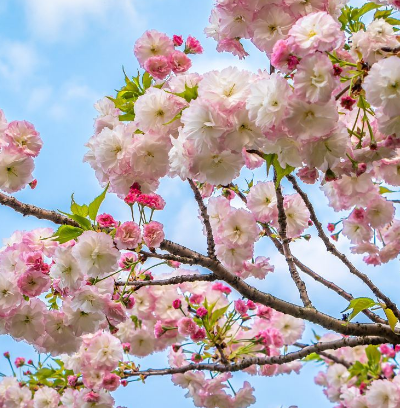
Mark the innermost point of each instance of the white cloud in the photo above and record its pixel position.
(18, 62)
(53, 20)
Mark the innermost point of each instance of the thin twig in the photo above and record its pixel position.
(334, 251)
(331, 357)
(301, 286)
(342, 92)
(206, 219)
(330, 285)
(175, 280)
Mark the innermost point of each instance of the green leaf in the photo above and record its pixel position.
(269, 158)
(392, 21)
(96, 203)
(146, 80)
(384, 190)
(66, 233)
(189, 93)
(392, 319)
(82, 221)
(217, 314)
(281, 172)
(44, 373)
(359, 12)
(127, 117)
(312, 357)
(382, 14)
(373, 354)
(358, 305)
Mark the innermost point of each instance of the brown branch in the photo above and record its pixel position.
(206, 219)
(334, 251)
(28, 209)
(257, 296)
(169, 257)
(342, 92)
(388, 49)
(301, 286)
(327, 355)
(175, 280)
(247, 362)
(330, 285)
(242, 287)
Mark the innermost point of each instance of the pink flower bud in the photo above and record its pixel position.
(6, 354)
(177, 304)
(337, 70)
(201, 312)
(126, 347)
(19, 362)
(178, 40)
(193, 46)
(331, 227)
(130, 302)
(33, 184)
(347, 102)
(174, 264)
(72, 380)
(106, 221)
(196, 358)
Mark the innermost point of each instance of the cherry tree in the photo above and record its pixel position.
(325, 113)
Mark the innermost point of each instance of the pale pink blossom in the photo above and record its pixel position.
(153, 234)
(152, 43)
(158, 66)
(128, 235)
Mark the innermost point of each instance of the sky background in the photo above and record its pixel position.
(57, 58)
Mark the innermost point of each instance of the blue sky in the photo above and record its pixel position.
(57, 58)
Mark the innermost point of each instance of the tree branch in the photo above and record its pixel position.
(175, 280)
(247, 362)
(334, 251)
(327, 355)
(206, 219)
(301, 286)
(28, 209)
(310, 314)
(318, 278)
(242, 287)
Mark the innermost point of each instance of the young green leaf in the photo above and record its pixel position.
(77, 209)
(96, 203)
(392, 319)
(358, 305)
(82, 221)
(281, 172)
(66, 233)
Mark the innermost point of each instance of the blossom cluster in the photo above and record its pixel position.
(156, 53)
(329, 111)
(65, 299)
(20, 143)
(370, 379)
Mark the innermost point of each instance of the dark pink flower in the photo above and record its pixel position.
(193, 46)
